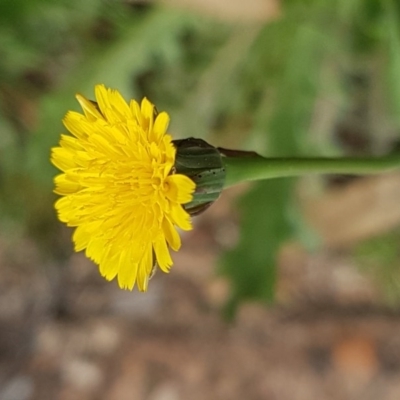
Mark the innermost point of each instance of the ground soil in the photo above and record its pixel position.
(66, 334)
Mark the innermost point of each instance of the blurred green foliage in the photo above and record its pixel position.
(380, 257)
(304, 83)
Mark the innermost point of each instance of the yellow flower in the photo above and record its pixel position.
(119, 188)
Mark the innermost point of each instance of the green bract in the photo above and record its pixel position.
(202, 163)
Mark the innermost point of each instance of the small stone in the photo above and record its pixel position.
(18, 388)
(82, 375)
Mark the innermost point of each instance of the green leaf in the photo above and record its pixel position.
(393, 66)
(251, 266)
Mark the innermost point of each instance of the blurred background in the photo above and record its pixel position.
(287, 289)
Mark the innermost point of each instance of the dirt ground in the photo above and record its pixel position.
(65, 334)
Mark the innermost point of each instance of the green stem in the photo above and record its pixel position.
(240, 169)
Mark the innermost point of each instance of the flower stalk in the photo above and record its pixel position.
(243, 166)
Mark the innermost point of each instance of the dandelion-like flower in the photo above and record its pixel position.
(119, 187)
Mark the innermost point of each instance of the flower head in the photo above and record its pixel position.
(118, 186)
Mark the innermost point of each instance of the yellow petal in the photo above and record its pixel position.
(89, 108)
(162, 254)
(144, 270)
(147, 110)
(109, 265)
(179, 188)
(180, 217)
(171, 235)
(160, 127)
(81, 238)
(127, 270)
(62, 158)
(65, 186)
